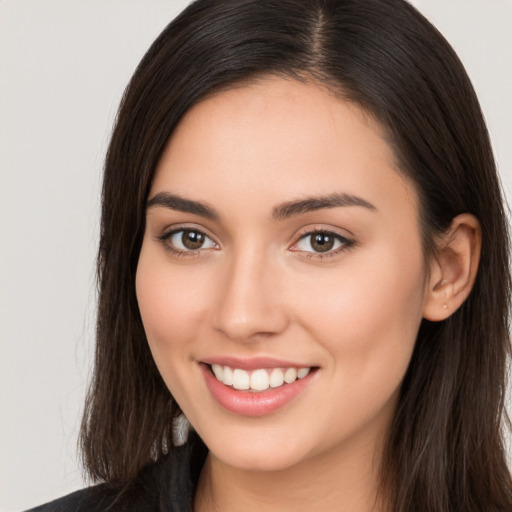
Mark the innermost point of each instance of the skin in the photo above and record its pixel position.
(258, 288)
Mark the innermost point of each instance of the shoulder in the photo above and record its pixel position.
(141, 495)
(91, 499)
(103, 498)
(164, 485)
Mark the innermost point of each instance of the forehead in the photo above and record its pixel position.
(278, 139)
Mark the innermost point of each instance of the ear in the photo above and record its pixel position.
(453, 269)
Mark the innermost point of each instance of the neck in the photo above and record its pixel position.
(344, 479)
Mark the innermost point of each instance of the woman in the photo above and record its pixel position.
(304, 253)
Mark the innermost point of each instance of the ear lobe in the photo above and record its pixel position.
(454, 268)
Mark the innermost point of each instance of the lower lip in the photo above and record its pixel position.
(253, 403)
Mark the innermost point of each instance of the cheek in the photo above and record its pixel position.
(171, 303)
(363, 296)
(366, 316)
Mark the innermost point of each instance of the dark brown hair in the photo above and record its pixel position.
(445, 450)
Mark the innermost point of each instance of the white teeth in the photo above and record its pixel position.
(218, 370)
(302, 372)
(228, 376)
(260, 380)
(276, 378)
(290, 375)
(240, 379)
(257, 380)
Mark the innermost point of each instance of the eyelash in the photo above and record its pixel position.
(345, 242)
(165, 239)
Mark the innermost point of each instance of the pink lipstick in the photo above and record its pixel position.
(255, 387)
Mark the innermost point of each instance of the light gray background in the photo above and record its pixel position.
(63, 67)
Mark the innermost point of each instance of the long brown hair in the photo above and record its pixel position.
(445, 450)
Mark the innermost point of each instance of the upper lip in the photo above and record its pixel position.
(253, 363)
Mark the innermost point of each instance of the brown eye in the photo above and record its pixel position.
(187, 240)
(192, 240)
(322, 242)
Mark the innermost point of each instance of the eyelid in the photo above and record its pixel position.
(317, 228)
(169, 231)
(347, 242)
(173, 228)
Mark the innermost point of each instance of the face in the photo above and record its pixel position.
(282, 252)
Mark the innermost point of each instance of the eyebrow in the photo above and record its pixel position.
(310, 204)
(281, 212)
(175, 202)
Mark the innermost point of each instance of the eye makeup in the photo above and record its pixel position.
(317, 243)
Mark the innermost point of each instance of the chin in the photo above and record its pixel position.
(259, 462)
(260, 454)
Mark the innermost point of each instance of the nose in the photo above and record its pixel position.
(249, 304)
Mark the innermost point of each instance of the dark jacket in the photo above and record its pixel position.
(164, 486)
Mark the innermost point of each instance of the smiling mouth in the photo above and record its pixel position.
(258, 380)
